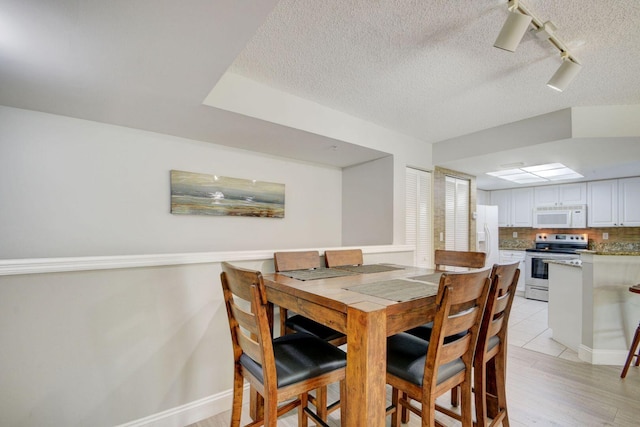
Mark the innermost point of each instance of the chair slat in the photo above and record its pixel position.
(338, 258)
(466, 259)
(303, 260)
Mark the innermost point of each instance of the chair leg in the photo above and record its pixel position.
(343, 400)
(236, 407)
(501, 386)
(270, 412)
(405, 413)
(429, 412)
(480, 393)
(321, 403)
(302, 416)
(632, 353)
(465, 405)
(395, 401)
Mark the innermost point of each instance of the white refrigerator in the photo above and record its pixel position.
(487, 233)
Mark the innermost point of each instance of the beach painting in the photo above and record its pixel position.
(202, 194)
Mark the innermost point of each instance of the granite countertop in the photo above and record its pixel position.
(626, 253)
(619, 253)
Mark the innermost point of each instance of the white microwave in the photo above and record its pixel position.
(560, 217)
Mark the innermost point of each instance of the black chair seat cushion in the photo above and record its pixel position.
(424, 332)
(299, 357)
(493, 341)
(303, 324)
(406, 355)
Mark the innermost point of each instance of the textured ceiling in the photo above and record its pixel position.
(423, 68)
(429, 68)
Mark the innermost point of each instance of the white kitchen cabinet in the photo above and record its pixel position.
(602, 200)
(515, 207)
(614, 203)
(511, 256)
(629, 202)
(561, 195)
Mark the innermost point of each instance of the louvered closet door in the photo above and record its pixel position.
(456, 214)
(418, 215)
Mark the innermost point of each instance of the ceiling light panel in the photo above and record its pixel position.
(538, 173)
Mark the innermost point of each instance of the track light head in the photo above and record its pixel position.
(565, 74)
(512, 31)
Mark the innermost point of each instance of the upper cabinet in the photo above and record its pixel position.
(629, 202)
(614, 203)
(560, 195)
(515, 207)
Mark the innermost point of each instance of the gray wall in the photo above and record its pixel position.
(367, 200)
(72, 187)
(108, 346)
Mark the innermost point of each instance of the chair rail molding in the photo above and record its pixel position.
(11, 267)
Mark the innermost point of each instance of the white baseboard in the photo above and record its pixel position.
(191, 412)
(602, 357)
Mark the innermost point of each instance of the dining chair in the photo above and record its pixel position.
(443, 258)
(342, 257)
(466, 259)
(304, 260)
(279, 369)
(635, 343)
(420, 370)
(490, 359)
(296, 323)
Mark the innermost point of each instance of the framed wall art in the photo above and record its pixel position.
(202, 194)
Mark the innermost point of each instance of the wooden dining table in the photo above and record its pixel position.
(352, 304)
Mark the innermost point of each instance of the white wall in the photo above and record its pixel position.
(483, 197)
(71, 187)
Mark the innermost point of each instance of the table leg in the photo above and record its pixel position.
(366, 365)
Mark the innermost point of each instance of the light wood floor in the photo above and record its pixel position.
(552, 389)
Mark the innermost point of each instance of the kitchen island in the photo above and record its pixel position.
(565, 302)
(590, 307)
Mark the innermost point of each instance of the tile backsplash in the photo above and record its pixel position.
(620, 238)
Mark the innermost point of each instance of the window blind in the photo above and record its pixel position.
(456, 214)
(418, 213)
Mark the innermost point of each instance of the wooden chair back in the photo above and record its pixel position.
(250, 323)
(459, 259)
(491, 350)
(461, 302)
(245, 298)
(492, 344)
(499, 302)
(289, 261)
(338, 258)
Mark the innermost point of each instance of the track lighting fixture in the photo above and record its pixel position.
(514, 28)
(565, 74)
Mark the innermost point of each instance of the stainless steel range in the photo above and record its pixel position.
(549, 247)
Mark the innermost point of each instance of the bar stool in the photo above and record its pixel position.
(634, 343)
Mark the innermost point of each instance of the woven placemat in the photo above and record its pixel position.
(396, 290)
(318, 273)
(431, 278)
(371, 268)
